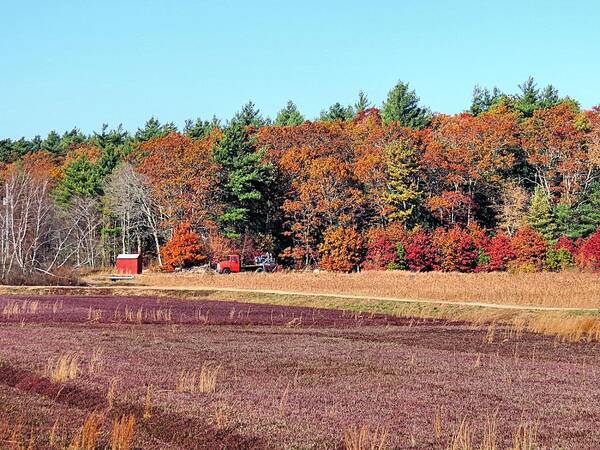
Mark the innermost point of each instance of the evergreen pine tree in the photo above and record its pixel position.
(540, 215)
(52, 143)
(362, 102)
(587, 213)
(245, 180)
(483, 99)
(199, 128)
(249, 115)
(337, 112)
(153, 128)
(527, 101)
(290, 115)
(402, 105)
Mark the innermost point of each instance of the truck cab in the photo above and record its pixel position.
(229, 265)
(234, 264)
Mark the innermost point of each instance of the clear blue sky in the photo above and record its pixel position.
(82, 63)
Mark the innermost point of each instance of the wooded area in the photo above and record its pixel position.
(510, 184)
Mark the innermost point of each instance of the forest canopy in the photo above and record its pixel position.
(511, 183)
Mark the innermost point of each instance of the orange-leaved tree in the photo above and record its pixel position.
(184, 249)
(341, 250)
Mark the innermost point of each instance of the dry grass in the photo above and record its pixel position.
(464, 437)
(568, 289)
(203, 380)
(123, 432)
(96, 361)
(86, 438)
(148, 402)
(362, 438)
(62, 368)
(17, 309)
(222, 419)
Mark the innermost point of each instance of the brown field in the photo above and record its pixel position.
(110, 372)
(568, 289)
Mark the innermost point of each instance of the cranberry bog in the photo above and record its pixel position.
(87, 372)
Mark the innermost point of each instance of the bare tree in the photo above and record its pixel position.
(25, 217)
(130, 198)
(82, 220)
(512, 207)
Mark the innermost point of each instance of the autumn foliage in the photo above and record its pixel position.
(589, 256)
(382, 252)
(500, 252)
(183, 249)
(421, 254)
(456, 249)
(514, 184)
(341, 249)
(530, 249)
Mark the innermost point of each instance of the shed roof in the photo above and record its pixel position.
(128, 256)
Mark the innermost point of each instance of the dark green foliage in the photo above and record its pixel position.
(83, 177)
(110, 138)
(5, 150)
(337, 112)
(563, 216)
(52, 143)
(290, 115)
(245, 179)
(586, 215)
(527, 101)
(483, 99)
(71, 139)
(199, 128)
(249, 115)
(401, 256)
(153, 128)
(402, 105)
(362, 103)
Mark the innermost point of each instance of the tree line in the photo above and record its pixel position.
(512, 183)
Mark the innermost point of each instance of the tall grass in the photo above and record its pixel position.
(62, 368)
(86, 437)
(363, 438)
(465, 438)
(123, 432)
(568, 289)
(203, 380)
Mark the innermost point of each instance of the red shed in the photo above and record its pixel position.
(130, 263)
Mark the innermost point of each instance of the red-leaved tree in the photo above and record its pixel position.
(421, 254)
(530, 248)
(589, 253)
(500, 252)
(457, 249)
(184, 249)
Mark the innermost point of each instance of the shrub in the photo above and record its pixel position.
(589, 253)
(184, 249)
(381, 251)
(566, 243)
(529, 247)
(500, 252)
(457, 249)
(421, 254)
(341, 250)
(400, 256)
(558, 259)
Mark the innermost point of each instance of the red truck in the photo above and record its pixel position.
(262, 263)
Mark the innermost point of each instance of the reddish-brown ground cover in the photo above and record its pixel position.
(289, 377)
